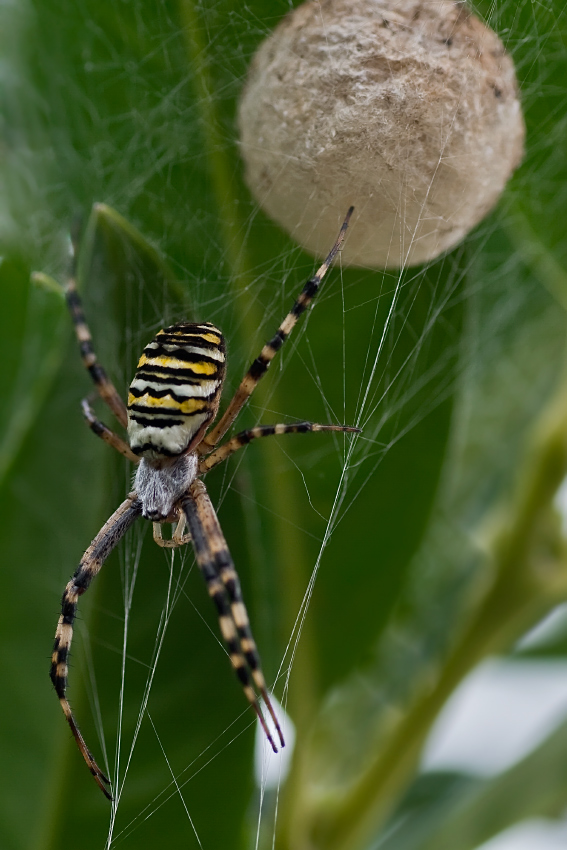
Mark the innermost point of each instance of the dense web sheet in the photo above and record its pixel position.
(383, 392)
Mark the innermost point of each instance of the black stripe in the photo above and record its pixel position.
(278, 340)
(244, 631)
(195, 340)
(157, 423)
(253, 659)
(82, 579)
(59, 682)
(308, 293)
(163, 411)
(62, 654)
(150, 447)
(233, 588)
(266, 430)
(170, 374)
(258, 367)
(155, 393)
(68, 610)
(299, 308)
(73, 299)
(197, 536)
(75, 305)
(86, 347)
(242, 673)
(223, 559)
(233, 645)
(219, 598)
(310, 288)
(205, 327)
(97, 373)
(182, 354)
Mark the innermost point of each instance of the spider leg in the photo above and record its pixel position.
(91, 562)
(215, 562)
(244, 437)
(177, 539)
(260, 366)
(106, 389)
(102, 431)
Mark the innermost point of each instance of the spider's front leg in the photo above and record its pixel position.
(262, 363)
(109, 437)
(99, 550)
(103, 384)
(245, 437)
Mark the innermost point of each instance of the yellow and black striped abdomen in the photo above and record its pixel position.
(176, 390)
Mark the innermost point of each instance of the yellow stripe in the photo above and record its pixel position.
(190, 405)
(208, 337)
(201, 368)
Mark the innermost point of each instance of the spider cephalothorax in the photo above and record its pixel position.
(172, 401)
(161, 484)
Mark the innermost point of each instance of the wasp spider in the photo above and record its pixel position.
(172, 400)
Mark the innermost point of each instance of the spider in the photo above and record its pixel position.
(172, 401)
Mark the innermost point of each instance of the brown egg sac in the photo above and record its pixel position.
(407, 109)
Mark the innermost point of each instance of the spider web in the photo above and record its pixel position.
(388, 390)
(345, 619)
(385, 388)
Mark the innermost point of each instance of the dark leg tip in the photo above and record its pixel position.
(102, 782)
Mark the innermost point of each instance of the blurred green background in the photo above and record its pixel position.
(133, 105)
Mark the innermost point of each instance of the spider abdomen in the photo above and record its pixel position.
(176, 389)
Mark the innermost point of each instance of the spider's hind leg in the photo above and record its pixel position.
(215, 563)
(91, 562)
(248, 647)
